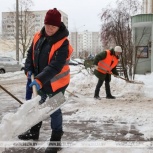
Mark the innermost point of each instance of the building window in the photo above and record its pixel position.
(142, 51)
(8, 26)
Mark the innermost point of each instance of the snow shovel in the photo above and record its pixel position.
(44, 110)
(29, 114)
(129, 81)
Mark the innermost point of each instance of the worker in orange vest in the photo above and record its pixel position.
(48, 59)
(106, 63)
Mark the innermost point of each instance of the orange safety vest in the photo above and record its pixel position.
(107, 64)
(63, 78)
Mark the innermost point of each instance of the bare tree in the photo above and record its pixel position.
(116, 30)
(26, 25)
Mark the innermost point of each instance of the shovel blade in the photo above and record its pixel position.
(36, 114)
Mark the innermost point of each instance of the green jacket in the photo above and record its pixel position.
(99, 57)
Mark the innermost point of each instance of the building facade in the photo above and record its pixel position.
(142, 27)
(147, 6)
(85, 43)
(35, 21)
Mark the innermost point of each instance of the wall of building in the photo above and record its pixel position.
(36, 22)
(147, 6)
(143, 39)
(7, 45)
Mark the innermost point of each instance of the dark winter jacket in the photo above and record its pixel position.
(42, 70)
(99, 57)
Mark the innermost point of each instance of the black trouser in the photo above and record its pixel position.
(107, 86)
(56, 118)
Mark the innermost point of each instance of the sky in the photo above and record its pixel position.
(82, 14)
(86, 121)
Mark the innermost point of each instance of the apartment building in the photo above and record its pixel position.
(85, 43)
(147, 6)
(35, 22)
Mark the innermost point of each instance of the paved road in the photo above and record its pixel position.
(109, 130)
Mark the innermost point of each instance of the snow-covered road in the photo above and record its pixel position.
(128, 118)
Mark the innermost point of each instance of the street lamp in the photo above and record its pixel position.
(77, 39)
(17, 30)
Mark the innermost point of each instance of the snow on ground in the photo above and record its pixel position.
(128, 118)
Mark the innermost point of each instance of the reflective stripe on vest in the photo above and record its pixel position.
(57, 77)
(63, 78)
(106, 65)
(55, 47)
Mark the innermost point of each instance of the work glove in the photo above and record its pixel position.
(29, 73)
(109, 72)
(117, 76)
(38, 86)
(95, 66)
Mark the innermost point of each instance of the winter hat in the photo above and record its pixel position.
(53, 17)
(118, 49)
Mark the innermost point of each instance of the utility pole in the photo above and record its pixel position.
(17, 30)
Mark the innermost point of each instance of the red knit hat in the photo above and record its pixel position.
(53, 17)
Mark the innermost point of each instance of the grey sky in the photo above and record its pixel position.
(80, 12)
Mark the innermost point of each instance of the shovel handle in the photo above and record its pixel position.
(11, 94)
(72, 94)
(34, 87)
(129, 81)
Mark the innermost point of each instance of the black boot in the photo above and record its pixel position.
(32, 133)
(97, 97)
(110, 97)
(108, 92)
(97, 90)
(96, 93)
(55, 142)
